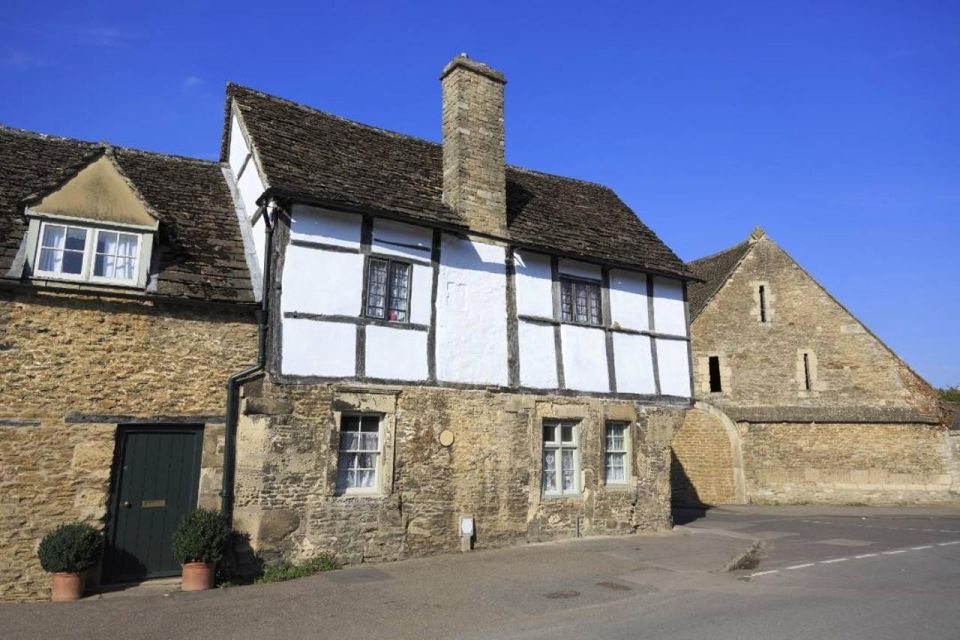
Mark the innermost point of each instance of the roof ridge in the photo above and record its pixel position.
(721, 252)
(105, 145)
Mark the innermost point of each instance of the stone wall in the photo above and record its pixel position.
(703, 462)
(288, 438)
(846, 463)
(72, 362)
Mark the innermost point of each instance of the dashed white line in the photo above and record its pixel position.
(926, 546)
(799, 566)
(764, 573)
(947, 544)
(833, 561)
(866, 555)
(894, 552)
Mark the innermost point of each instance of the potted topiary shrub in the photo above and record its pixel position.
(67, 552)
(198, 545)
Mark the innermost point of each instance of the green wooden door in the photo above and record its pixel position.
(156, 479)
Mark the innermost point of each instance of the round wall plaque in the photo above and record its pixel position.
(446, 437)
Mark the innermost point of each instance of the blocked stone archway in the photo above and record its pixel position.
(707, 460)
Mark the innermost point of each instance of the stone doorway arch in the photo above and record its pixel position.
(707, 459)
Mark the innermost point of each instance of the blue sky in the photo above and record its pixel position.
(834, 125)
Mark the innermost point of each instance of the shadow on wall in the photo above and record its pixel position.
(686, 505)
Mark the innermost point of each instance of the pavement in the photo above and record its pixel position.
(796, 573)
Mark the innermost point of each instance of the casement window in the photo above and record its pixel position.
(66, 251)
(561, 458)
(388, 290)
(616, 448)
(580, 302)
(358, 463)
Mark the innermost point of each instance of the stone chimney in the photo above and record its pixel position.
(474, 173)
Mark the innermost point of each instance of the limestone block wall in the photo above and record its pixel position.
(287, 443)
(74, 367)
(846, 463)
(703, 462)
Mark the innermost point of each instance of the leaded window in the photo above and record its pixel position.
(561, 458)
(616, 436)
(388, 290)
(358, 464)
(580, 302)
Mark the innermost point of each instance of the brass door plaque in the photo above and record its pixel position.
(153, 504)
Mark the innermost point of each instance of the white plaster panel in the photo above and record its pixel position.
(324, 282)
(399, 239)
(260, 240)
(471, 331)
(238, 147)
(628, 299)
(251, 188)
(584, 358)
(329, 227)
(422, 284)
(674, 367)
(534, 284)
(634, 364)
(396, 354)
(312, 348)
(579, 269)
(668, 314)
(538, 360)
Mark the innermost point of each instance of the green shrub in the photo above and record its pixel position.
(70, 548)
(201, 537)
(285, 570)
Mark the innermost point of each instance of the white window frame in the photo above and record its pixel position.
(92, 235)
(625, 452)
(559, 445)
(377, 488)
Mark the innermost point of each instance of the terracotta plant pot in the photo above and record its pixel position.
(67, 587)
(197, 576)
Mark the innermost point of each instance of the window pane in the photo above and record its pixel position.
(377, 289)
(76, 239)
(53, 235)
(107, 242)
(127, 245)
(581, 302)
(367, 442)
(568, 470)
(123, 268)
(566, 301)
(566, 433)
(549, 470)
(615, 437)
(50, 260)
(549, 433)
(72, 261)
(399, 287)
(615, 470)
(594, 293)
(366, 479)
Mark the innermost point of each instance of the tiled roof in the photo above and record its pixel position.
(311, 154)
(200, 250)
(713, 272)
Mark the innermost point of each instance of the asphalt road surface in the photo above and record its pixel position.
(824, 574)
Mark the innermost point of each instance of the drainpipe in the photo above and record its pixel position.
(234, 381)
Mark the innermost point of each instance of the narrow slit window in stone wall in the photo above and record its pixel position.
(716, 386)
(807, 381)
(561, 459)
(763, 304)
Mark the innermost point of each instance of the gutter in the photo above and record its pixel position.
(240, 377)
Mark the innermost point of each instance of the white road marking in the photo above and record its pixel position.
(926, 546)
(947, 544)
(799, 566)
(764, 573)
(866, 555)
(894, 552)
(835, 560)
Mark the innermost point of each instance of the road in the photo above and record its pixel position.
(825, 573)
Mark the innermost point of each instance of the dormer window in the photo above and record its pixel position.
(88, 254)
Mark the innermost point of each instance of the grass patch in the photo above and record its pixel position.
(283, 571)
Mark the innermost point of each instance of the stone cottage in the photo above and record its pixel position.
(459, 351)
(125, 302)
(797, 401)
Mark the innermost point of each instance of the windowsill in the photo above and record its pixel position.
(72, 284)
(349, 494)
(619, 487)
(562, 496)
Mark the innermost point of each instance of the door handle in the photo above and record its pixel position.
(127, 504)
